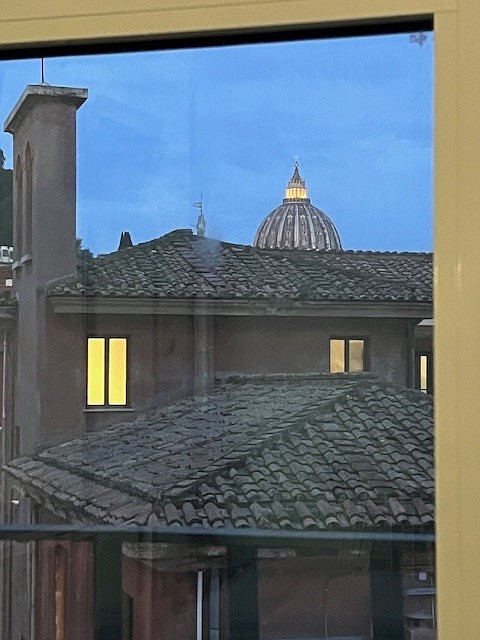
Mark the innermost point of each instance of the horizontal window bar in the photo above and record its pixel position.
(198, 537)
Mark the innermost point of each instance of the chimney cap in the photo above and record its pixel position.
(39, 92)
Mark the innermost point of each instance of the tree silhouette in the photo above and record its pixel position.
(6, 203)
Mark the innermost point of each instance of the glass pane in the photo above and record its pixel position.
(230, 263)
(356, 355)
(117, 371)
(96, 371)
(337, 356)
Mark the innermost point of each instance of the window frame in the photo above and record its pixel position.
(27, 27)
(106, 406)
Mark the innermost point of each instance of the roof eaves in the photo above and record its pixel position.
(68, 303)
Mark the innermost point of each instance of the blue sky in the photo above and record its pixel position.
(160, 128)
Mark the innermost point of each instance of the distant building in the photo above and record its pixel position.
(296, 223)
(268, 387)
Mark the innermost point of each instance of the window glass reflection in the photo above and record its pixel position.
(337, 356)
(356, 355)
(224, 334)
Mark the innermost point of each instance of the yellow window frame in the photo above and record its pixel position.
(457, 195)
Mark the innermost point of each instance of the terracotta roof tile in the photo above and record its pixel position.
(173, 462)
(182, 265)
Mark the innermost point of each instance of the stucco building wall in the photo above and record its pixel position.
(296, 344)
(162, 358)
(160, 367)
(298, 597)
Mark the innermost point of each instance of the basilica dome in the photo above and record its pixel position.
(296, 223)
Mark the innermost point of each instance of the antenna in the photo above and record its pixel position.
(199, 204)
(43, 70)
(201, 222)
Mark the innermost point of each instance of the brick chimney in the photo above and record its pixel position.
(43, 124)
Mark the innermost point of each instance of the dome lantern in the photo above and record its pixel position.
(296, 223)
(296, 189)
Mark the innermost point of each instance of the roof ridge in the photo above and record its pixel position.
(103, 487)
(269, 436)
(244, 378)
(80, 472)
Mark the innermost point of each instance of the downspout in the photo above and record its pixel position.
(199, 605)
(32, 570)
(203, 354)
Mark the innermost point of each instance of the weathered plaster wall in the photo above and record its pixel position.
(294, 595)
(160, 367)
(295, 345)
(310, 597)
(161, 358)
(47, 131)
(164, 603)
(78, 593)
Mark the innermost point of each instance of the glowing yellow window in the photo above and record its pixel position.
(347, 355)
(337, 356)
(106, 371)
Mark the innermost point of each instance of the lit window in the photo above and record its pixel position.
(107, 371)
(424, 372)
(347, 355)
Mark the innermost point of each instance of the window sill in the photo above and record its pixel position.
(108, 410)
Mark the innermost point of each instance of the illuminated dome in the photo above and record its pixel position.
(297, 224)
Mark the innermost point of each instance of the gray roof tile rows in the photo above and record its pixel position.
(182, 265)
(287, 452)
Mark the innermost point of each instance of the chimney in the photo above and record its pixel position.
(43, 124)
(125, 241)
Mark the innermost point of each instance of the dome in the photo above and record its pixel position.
(296, 223)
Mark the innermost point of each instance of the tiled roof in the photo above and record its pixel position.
(283, 452)
(182, 265)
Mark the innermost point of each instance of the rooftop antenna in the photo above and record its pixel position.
(201, 222)
(43, 71)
